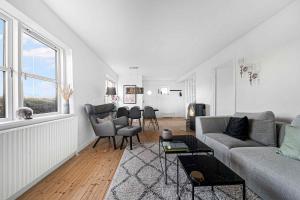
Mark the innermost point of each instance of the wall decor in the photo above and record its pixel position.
(251, 69)
(129, 98)
(135, 90)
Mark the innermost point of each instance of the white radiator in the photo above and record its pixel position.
(29, 153)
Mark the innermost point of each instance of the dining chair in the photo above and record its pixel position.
(122, 111)
(149, 114)
(135, 113)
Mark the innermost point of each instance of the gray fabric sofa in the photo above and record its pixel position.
(267, 173)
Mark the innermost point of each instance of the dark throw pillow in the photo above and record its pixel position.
(237, 128)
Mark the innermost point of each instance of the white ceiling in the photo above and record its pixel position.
(165, 38)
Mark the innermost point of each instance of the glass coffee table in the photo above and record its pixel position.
(194, 146)
(215, 173)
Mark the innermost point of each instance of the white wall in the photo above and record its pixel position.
(133, 78)
(275, 45)
(169, 105)
(88, 70)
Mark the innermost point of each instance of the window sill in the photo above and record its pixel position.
(22, 123)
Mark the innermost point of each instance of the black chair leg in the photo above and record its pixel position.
(122, 142)
(131, 122)
(114, 141)
(130, 139)
(96, 142)
(138, 138)
(140, 122)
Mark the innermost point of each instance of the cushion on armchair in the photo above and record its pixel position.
(101, 120)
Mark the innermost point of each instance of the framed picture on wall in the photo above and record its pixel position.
(128, 98)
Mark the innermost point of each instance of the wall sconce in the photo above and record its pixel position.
(252, 76)
(252, 69)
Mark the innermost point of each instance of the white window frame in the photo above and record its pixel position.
(7, 61)
(34, 34)
(15, 23)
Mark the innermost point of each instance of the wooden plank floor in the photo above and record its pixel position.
(88, 175)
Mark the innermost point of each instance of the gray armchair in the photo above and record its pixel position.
(104, 128)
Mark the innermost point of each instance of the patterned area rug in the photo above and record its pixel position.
(139, 177)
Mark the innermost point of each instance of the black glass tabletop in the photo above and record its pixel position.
(194, 145)
(214, 171)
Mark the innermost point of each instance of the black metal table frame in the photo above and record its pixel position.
(165, 171)
(212, 186)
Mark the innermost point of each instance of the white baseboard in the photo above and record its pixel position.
(84, 145)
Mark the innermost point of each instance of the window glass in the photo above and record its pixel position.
(39, 95)
(39, 62)
(38, 58)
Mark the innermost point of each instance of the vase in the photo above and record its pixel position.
(166, 134)
(66, 107)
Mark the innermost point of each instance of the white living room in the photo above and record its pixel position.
(149, 99)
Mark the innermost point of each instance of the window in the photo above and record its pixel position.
(39, 69)
(109, 83)
(31, 72)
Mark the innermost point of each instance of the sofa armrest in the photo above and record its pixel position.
(106, 128)
(121, 121)
(211, 125)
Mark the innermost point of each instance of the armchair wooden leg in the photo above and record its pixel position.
(96, 142)
(131, 122)
(143, 125)
(140, 122)
(130, 139)
(156, 123)
(123, 138)
(114, 141)
(152, 122)
(138, 138)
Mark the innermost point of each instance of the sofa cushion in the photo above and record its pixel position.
(296, 121)
(280, 131)
(237, 128)
(222, 143)
(262, 127)
(263, 131)
(267, 173)
(291, 143)
(231, 142)
(268, 115)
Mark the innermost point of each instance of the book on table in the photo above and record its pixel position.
(175, 146)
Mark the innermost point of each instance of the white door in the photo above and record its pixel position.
(225, 89)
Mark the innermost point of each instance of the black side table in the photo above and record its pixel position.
(194, 146)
